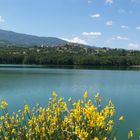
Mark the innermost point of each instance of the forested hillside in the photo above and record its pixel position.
(69, 54)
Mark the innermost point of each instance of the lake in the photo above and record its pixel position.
(32, 85)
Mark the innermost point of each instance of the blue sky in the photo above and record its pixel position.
(103, 23)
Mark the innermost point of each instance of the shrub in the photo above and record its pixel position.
(74, 120)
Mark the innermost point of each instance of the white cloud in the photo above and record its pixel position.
(124, 27)
(109, 1)
(113, 38)
(121, 11)
(92, 34)
(109, 23)
(133, 46)
(76, 40)
(95, 16)
(117, 38)
(135, 1)
(121, 38)
(138, 28)
(89, 1)
(1, 19)
(108, 41)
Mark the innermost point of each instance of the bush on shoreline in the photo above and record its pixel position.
(79, 120)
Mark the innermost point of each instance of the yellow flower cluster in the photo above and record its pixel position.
(3, 104)
(75, 120)
(130, 134)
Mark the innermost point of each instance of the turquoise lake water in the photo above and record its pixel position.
(19, 85)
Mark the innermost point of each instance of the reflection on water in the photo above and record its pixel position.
(72, 67)
(31, 84)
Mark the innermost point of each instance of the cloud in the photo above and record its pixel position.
(109, 1)
(133, 46)
(109, 23)
(95, 16)
(108, 41)
(117, 38)
(135, 1)
(121, 11)
(76, 40)
(113, 38)
(92, 34)
(138, 28)
(1, 19)
(121, 38)
(89, 1)
(124, 27)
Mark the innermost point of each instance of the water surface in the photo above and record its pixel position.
(31, 85)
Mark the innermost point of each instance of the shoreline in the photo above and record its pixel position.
(86, 67)
(135, 66)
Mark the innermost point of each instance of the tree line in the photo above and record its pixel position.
(55, 56)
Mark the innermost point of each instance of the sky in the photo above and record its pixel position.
(102, 23)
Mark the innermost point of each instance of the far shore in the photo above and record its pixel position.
(135, 66)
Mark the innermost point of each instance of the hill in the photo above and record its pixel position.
(13, 38)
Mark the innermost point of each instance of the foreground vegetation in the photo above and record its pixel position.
(68, 54)
(75, 120)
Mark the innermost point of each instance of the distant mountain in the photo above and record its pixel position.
(13, 38)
